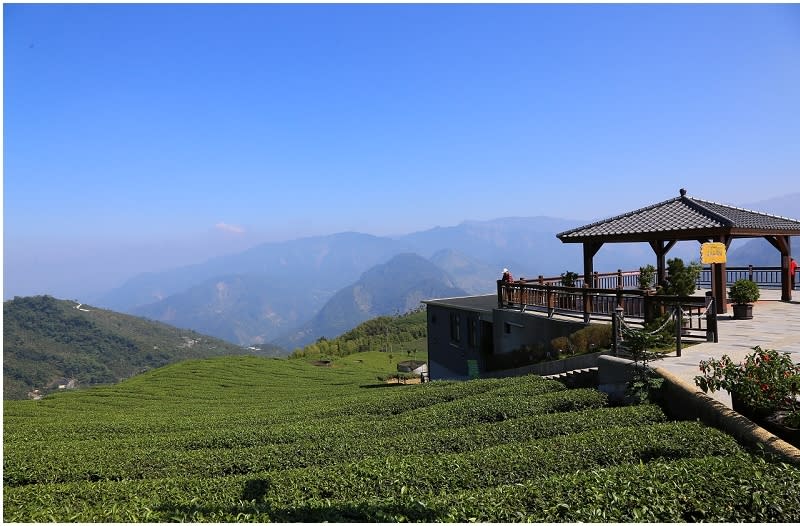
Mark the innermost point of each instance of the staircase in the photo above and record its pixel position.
(576, 378)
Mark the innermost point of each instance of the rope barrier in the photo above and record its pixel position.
(700, 314)
(624, 326)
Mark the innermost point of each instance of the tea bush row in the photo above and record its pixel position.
(55, 462)
(393, 401)
(505, 464)
(251, 427)
(105, 413)
(74, 461)
(732, 489)
(437, 481)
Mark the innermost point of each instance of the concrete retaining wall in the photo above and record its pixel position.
(684, 402)
(613, 376)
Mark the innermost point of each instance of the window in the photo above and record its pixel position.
(455, 327)
(472, 332)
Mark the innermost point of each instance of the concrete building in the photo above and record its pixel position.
(471, 336)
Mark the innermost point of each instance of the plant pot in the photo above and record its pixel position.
(742, 311)
(756, 415)
(774, 423)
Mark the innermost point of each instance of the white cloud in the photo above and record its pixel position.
(229, 228)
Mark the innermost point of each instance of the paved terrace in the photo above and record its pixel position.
(775, 325)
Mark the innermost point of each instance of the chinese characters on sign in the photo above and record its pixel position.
(713, 253)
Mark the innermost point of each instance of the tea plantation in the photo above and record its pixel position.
(256, 439)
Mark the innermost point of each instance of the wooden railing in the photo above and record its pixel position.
(764, 277)
(619, 289)
(637, 306)
(628, 279)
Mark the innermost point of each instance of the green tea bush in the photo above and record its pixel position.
(87, 462)
(245, 439)
(498, 465)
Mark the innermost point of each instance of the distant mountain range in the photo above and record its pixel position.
(321, 264)
(396, 286)
(290, 292)
(49, 342)
(758, 252)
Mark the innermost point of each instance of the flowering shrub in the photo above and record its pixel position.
(765, 382)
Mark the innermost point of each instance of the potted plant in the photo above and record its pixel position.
(764, 387)
(743, 293)
(568, 279)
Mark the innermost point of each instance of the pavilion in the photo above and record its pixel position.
(687, 218)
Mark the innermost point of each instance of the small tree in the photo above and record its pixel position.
(568, 279)
(643, 382)
(647, 277)
(682, 279)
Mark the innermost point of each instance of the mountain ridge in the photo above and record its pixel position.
(395, 287)
(47, 340)
(473, 253)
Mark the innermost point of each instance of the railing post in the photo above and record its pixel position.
(616, 329)
(711, 319)
(678, 323)
(648, 308)
(587, 308)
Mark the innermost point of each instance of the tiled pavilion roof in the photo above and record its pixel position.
(683, 218)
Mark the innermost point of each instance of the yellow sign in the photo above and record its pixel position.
(713, 253)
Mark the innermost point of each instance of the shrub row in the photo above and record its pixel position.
(393, 401)
(564, 478)
(74, 461)
(105, 414)
(712, 489)
(505, 464)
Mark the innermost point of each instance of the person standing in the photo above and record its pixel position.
(507, 279)
(792, 271)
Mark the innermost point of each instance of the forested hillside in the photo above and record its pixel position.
(47, 341)
(400, 335)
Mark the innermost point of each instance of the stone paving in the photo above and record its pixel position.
(775, 325)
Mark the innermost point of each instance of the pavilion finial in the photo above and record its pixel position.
(683, 192)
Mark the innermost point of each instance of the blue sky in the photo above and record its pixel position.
(138, 137)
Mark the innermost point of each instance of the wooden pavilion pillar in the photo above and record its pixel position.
(784, 245)
(589, 251)
(661, 247)
(719, 280)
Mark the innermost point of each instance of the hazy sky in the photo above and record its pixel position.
(138, 137)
